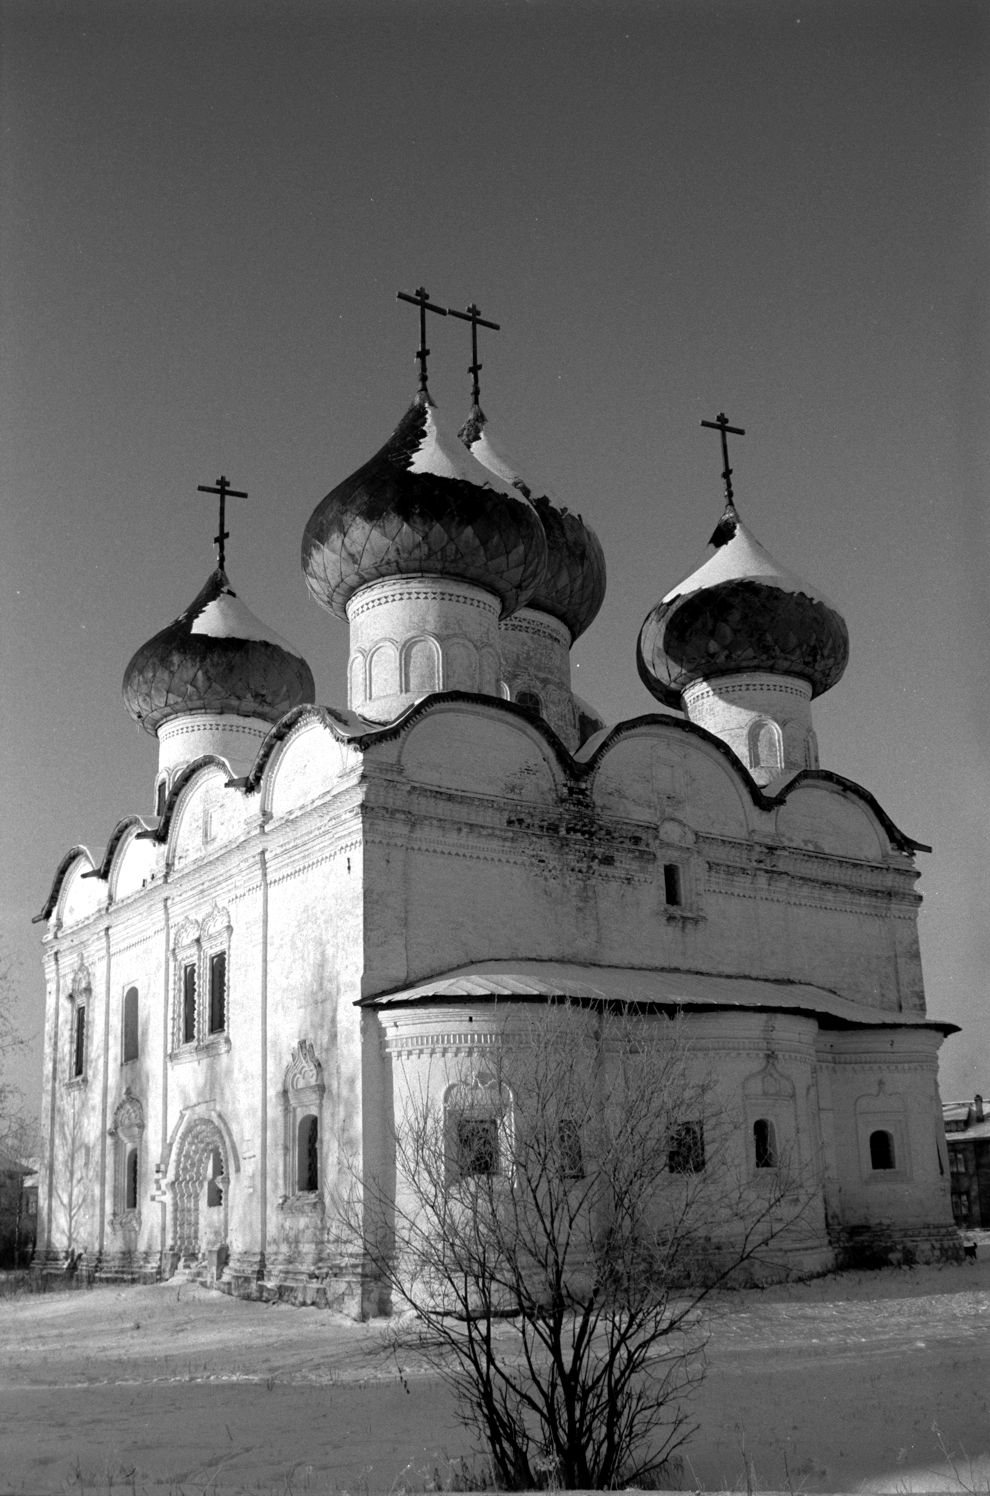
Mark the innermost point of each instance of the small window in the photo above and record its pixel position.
(672, 884)
(79, 1042)
(214, 1189)
(130, 1024)
(881, 1150)
(477, 1146)
(131, 1180)
(569, 1149)
(218, 992)
(189, 1003)
(764, 1144)
(530, 701)
(686, 1149)
(161, 792)
(957, 1163)
(308, 1155)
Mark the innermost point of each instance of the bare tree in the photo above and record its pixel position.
(12, 1045)
(560, 1210)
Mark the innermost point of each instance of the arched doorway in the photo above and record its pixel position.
(200, 1191)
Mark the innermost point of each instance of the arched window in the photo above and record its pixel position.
(530, 701)
(79, 1042)
(126, 1131)
(130, 1046)
(764, 1144)
(308, 1154)
(881, 1150)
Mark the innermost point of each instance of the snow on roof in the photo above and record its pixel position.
(743, 556)
(226, 617)
(527, 979)
(441, 452)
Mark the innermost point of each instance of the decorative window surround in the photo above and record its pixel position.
(126, 1132)
(302, 1101)
(201, 987)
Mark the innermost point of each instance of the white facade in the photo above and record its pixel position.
(240, 990)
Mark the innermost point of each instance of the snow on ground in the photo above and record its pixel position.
(875, 1382)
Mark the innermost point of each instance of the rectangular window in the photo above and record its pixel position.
(79, 1043)
(189, 1003)
(477, 1146)
(218, 992)
(672, 884)
(686, 1148)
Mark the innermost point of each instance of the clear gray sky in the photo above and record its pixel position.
(775, 209)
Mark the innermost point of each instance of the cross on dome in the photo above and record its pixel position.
(721, 423)
(225, 491)
(473, 315)
(421, 298)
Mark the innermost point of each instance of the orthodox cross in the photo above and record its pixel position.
(225, 491)
(473, 315)
(721, 423)
(422, 300)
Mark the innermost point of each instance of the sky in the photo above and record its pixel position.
(777, 210)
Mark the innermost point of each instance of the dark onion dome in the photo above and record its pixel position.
(573, 585)
(740, 612)
(422, 506)
(216, 657)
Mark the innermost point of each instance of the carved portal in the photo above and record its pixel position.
(200, 1192)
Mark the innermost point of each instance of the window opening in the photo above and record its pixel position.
(308, 1154)
(218, 992)
(881, 1150)
(214, 1189)
(189, 1003)
(686, 1148)
(569, 1148)
(672, 884)
(764, 1143)
(477, 1146)
(79, 1044)
(131, 1180)
(160, 793)
(130, 1024)
(530, 701)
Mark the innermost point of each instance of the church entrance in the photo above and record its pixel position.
(200, 1201)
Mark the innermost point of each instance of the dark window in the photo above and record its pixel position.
(131, 1180)
(214, 1189)
(881, 1150)
(530, 701)
(218, 992)
(160, 793)
(308, 1154)
(672, 884)
(686, 1148)
(569, 1146)
(764, 1144)
(189, 1003)
(79, 1043)
(477, 1146)
(131, 1024)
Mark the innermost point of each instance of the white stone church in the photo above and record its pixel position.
(327, 900)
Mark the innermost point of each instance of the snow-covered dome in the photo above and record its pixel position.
(572, 587)
(216, 657)
(740, 612)
(422, 506)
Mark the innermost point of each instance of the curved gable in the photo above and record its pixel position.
(480, 746)
(206, 813)
(83, 892)
(304, 765)
(827, 817)
(134, 863)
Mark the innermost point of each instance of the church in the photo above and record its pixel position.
(330, 904)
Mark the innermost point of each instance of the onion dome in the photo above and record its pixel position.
(422, 506)
(572, 587)
(740, 612)
(216, 657)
